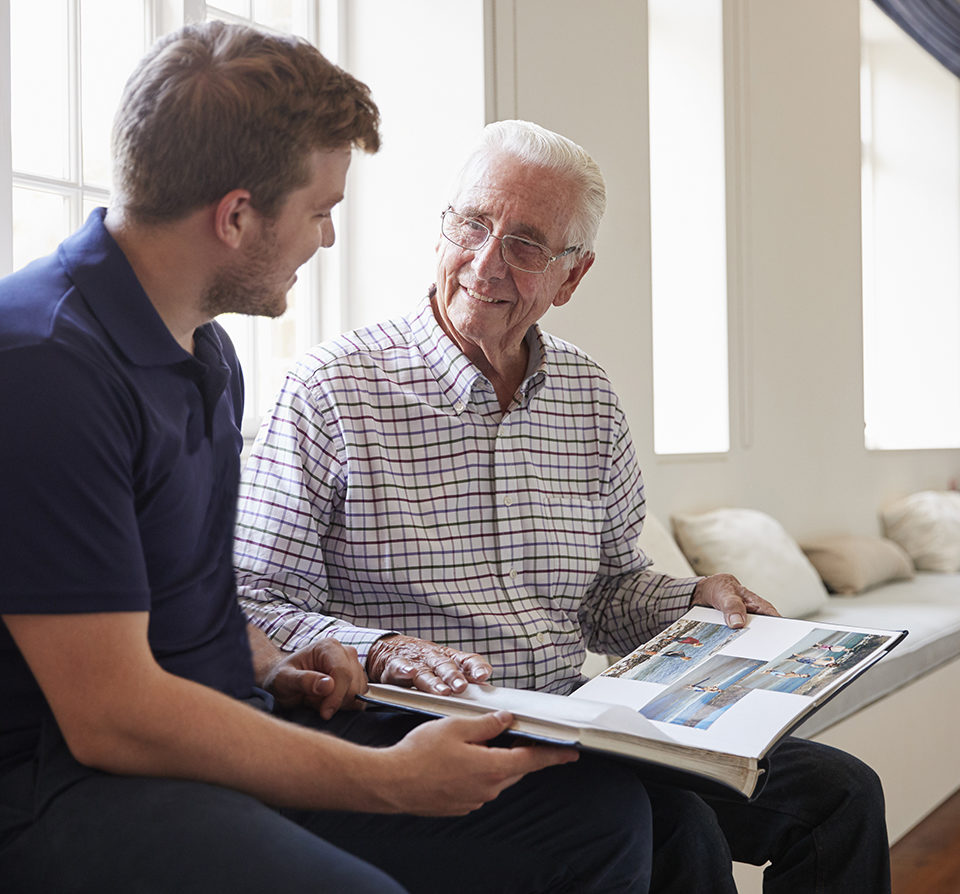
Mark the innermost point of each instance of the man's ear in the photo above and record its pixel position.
(574, 275)
(233, 217)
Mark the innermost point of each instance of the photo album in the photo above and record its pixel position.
(700, 704)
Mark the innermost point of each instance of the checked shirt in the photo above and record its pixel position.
(388, 492)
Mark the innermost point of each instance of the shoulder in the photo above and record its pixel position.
(359, 354)
(31, 302)
(573, 369)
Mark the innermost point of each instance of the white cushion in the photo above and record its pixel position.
(927, 526)
(658, 545)
(758, 551)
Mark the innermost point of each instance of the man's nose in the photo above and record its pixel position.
(328, 234)
(488, 260)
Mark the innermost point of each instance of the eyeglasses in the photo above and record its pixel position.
(519, 253)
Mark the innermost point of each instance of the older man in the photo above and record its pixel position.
(456, 494)
(139, 750)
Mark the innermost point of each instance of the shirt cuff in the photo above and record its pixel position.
(361, 638)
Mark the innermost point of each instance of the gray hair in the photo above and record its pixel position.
(535, 145)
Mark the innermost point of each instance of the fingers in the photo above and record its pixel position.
(757, 605)
(456, 770)
(348, 679)
(326, 675)
(407, 661)
(726, 594)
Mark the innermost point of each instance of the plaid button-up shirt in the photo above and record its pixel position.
(388, 492)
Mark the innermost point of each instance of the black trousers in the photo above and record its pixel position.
(819, 821)
(582, 827)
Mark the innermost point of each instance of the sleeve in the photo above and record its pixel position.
(293, 481)
(630, 601)
(69, 539)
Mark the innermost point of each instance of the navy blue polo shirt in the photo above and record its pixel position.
(119, 464)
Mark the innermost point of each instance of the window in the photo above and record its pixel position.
(71, 58)
(68, 63)
(688, 242)
(910, 117)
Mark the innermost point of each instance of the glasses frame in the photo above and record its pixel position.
(501, 240)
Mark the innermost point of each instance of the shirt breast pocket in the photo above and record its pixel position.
(571, 538)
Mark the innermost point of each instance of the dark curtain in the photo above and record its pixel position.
(934, 24)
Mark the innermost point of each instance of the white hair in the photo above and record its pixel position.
(535, 145)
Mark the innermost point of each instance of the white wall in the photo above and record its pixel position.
(794, 244)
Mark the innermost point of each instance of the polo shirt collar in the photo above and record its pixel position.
(103, 276)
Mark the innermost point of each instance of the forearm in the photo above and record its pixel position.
(225, 742)
(625, 610)
(291, 628)
(119, 711)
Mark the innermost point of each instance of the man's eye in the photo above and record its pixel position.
(525, 249)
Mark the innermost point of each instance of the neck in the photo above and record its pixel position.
(504, 365)
(168, 265)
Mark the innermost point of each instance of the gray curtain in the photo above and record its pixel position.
(934, 24)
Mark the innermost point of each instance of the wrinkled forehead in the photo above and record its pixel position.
(517, 197)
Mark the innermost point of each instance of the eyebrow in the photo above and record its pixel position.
(330, 202)
(523, 230)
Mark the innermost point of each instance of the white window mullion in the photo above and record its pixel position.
(6, 149)
(75, 111)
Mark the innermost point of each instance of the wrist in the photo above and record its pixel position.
(377, 657)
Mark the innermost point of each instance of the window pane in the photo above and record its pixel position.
(291, 16)
(40, 221)
(112, 38)
(230, 7)
(89, 205)
(687, 208)
(40, 87)
(911, 229)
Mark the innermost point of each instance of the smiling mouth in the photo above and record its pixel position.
(484, 298)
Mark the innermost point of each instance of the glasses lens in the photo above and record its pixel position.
(463, 231)
(525, 255)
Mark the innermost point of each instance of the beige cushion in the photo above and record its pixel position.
(850, 563)
(754, 547)
(658, 545)
(927, 526)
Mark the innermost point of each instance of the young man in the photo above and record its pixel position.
(138, 750)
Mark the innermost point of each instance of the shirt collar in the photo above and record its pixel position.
(454, 372)
(452, 369)
(103, 276)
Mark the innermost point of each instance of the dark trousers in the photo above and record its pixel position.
(819, 821)
(583, 827)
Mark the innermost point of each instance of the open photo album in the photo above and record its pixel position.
(701, 704)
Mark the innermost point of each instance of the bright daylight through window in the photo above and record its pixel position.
(688, 242)
(910, 111)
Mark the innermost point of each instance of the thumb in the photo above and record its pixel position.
(308, 682)
(482, 729)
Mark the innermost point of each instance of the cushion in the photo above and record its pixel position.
(927, 526)
(753, 546)
(658, 545)
(850, 563)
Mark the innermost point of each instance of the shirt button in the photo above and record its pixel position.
(459, 406)
(541, 637)
(513, 573)
(508, 500)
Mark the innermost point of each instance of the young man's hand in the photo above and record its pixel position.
(445, 768)
(326, 675)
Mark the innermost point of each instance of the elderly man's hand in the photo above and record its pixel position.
(408, 661)
(326, 675)
(725, 593)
